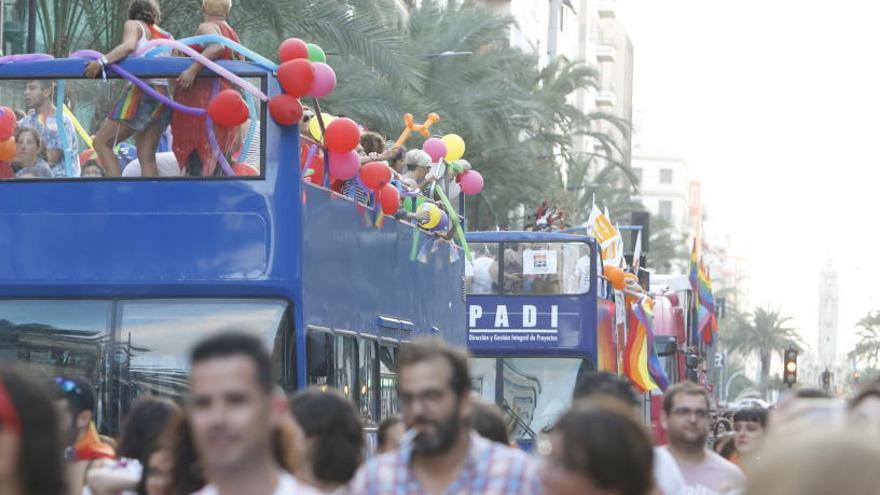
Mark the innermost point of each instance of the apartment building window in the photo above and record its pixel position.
(666, 176)
(637, 172)
(666, 209)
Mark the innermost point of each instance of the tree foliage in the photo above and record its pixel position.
(867, 350)
(762, 333)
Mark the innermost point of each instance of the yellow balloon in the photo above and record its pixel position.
(454, 147)
(434, 215)
(315, 127)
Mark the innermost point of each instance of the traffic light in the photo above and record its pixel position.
(789, 374)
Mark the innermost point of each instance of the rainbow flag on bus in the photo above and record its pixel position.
(641, 363)
(707, 324)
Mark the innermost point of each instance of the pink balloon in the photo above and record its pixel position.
(344, 165)
(471, 182)
(435, 148)
(324, 82)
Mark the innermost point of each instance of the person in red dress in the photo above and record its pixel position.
(191, 146)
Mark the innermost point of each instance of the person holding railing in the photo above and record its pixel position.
(191, 144)
(136, 113)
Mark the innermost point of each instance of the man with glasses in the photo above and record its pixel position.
(686, 420)
(440, 453)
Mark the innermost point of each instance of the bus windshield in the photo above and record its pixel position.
(132, 348)
(535, 390)
(529, 268)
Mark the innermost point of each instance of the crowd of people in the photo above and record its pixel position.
(239, 434)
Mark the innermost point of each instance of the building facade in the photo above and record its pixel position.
(665, 188)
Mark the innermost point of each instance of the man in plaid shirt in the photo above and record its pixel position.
(440, 454)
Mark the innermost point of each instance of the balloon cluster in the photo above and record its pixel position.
(7, 127)
(451, 148)
(303, 72)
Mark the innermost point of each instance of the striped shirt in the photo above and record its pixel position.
(490, 469)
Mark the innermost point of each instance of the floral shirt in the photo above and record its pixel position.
(47, 127)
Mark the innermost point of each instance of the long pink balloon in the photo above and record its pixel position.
(142, 85)
(25, 57)
(250, 88)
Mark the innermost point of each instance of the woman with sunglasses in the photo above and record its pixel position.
(31, 454)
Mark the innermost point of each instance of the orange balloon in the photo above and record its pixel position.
(8, 149)
(616, 276)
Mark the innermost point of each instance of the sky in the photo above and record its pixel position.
(775, 106)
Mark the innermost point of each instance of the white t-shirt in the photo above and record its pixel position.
(287, 485)
(482, 275)
(666, 473)
(166, 162)
(713, 476)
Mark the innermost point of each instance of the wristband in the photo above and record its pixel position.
(103, 61)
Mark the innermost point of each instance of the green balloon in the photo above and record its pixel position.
(316, 54)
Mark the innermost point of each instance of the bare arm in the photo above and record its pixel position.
(210, 52)
(130, 36)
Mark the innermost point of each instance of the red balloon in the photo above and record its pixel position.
(228, 109)
(389, 198)
(342, 135)
(7, 123)
(292, 49)
(8, 150)
(296, 77)
(243, 169)
(285, 109)
(375, 175)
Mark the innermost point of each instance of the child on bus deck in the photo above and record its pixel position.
(136, 113)
(190, 144)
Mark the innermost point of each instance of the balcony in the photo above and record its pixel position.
(608, 9)
(605, 53)
(606, 98)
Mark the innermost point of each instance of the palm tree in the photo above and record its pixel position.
(764, 332)
(868, 347)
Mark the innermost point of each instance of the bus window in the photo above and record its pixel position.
(66, 155)
(60, 338)
(367, 369)
(156, 336)
(553, 268)
(481, 276)
(346, 366)
(319, 357)
(387, 381)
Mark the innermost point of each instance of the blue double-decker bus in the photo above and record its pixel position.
(114, 279)
(536, 319)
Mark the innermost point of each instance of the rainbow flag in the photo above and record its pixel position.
(694, 278)
(645, 314)
(606, 347)
(641, 364)
(706, 321)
